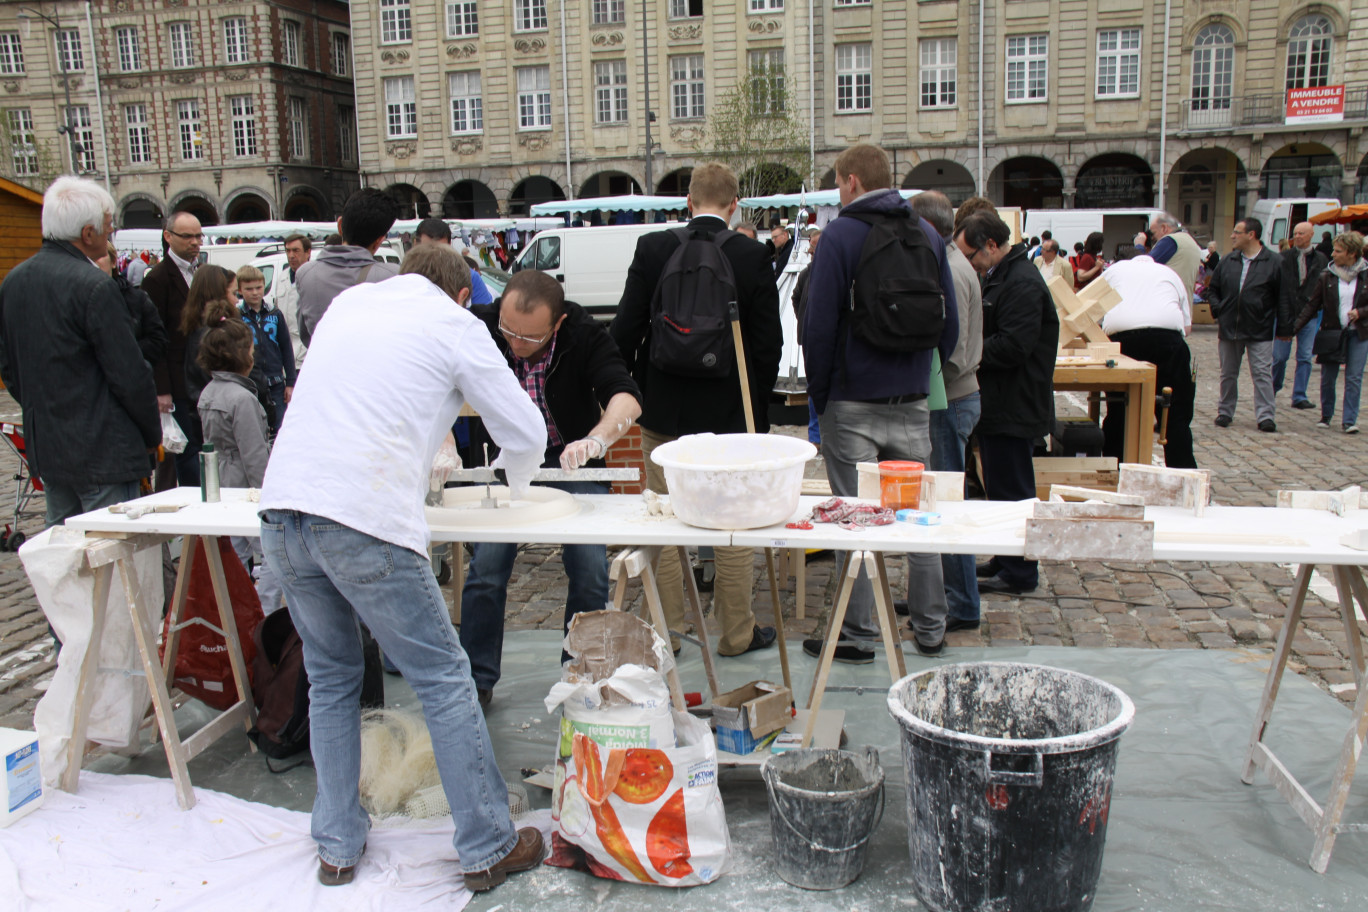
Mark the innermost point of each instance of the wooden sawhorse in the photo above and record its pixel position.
(1323, 821)
(105, 556)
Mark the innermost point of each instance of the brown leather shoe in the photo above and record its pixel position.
(333, 876)
(526, 855)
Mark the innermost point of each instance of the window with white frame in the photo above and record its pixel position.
(70, 58)
(854, 77)
(610, 91)
(534, 98)
(462, 18)
(130, 54)
(341, 53)
(939, 76)
(766, 6)
(529, 15)
(243, 115)
(235, 46)
(299, 127)
(23, 152)
(289, 43)
(139, 135)
(188, 125)
(686, 87)
(346, 133)
(182, 45)
(686, 9)
(840, 3)
(11, 54)
(609, 11)
(766, 75)
(1308, 52)
(1118, 63)
(1028, 60)
(467, 105)
(78, 116)
(401, 108)
(1213, 68)
(395, 23)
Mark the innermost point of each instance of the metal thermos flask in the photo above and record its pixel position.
(209, 474)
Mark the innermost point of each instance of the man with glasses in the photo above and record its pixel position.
(1247, 300)
(168, 284)
(575, 375)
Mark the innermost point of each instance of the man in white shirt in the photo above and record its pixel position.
(343, 528)
(1151, 323)
(298, 249)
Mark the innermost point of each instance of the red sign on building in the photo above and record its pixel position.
(1321, 104)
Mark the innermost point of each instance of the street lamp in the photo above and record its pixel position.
(74, 147)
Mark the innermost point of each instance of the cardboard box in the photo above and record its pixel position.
(746, 715)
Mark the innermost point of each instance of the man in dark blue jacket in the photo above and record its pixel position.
(68, 355)
(871, 402)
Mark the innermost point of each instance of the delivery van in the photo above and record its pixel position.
(591, 263)
(1280, 216)
(1071, 226)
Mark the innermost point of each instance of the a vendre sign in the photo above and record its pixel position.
(1320, 104)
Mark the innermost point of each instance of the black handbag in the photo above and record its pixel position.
(1330, 344)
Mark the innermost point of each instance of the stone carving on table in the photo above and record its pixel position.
(467, 145)
(529, 45)
(461, 51)
(534, 142)
(401, 150)
(765, 26)
(686, 32)
(391, 56)
(606, 39)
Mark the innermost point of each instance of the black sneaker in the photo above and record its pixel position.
(848, 655)
(1267, 426)
(1303, 404)
(929, 650)
(1223, 421)
(953, 623)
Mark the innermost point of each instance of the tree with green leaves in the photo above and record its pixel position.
(756, 130)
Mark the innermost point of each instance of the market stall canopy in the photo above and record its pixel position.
(630, 203)
(487, 224)
(271, 229)
(810, 198)
(1342, 215)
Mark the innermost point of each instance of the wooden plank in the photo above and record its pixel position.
(877, 571)
(696, 610)
(229, 622)
(85, 686)
(1274, 679)
(1302, 803)
(1073, 510)
(217, 727)
(657, 611)
(778, 618)
(1089, 539)
(1064, 492)
(833, 636)
(1340, 785)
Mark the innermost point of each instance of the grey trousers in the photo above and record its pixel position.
(854, 432)
(1260, 373)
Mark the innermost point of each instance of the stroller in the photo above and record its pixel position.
(27, 484)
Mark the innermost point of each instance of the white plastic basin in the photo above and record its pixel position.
(734, 481)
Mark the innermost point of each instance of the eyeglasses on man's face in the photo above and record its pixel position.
(186, 237)
(530, 340)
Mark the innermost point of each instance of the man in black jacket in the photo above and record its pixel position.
(1015, 375)
(1302, 265)
(1247, 300)
(68, 355)
(675, 405)
(168, 284)
(574, 373)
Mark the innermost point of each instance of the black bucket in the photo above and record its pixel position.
(1009, 780)
(824, 806)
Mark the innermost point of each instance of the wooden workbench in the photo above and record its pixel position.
(1134, 378)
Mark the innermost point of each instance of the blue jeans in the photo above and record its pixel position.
(1355, 358)
(950, 430)
(335, 578)
(1282, 352)
(65, 501)
(486, 592)
(814, 429)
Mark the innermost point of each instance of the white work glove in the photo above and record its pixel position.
(444, 463)
(518, 472)
(577, 454)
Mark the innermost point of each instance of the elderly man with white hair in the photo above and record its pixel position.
(68, 354)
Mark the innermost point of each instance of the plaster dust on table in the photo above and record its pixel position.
(461, 507)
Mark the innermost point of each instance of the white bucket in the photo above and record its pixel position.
(734, 481)
(22, 789)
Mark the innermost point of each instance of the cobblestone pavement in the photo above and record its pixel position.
(1178, 605)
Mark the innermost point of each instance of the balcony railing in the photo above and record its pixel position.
(1259, 110)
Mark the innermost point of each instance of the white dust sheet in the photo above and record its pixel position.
(123, 843)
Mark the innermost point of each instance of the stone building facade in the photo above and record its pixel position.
(468, 108)
(236, 111)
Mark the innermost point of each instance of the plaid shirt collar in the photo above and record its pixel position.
(532, 376)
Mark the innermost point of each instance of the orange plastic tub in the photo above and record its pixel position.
(900, 485)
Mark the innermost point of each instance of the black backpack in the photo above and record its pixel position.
(896, 300)
(690, 328)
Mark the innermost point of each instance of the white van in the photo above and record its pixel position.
(591, 263)
(271, 259)
(1072, 226)
(1280, 216)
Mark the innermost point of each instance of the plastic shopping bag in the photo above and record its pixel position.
(629, 709)
(651, 815)
(173, 438)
